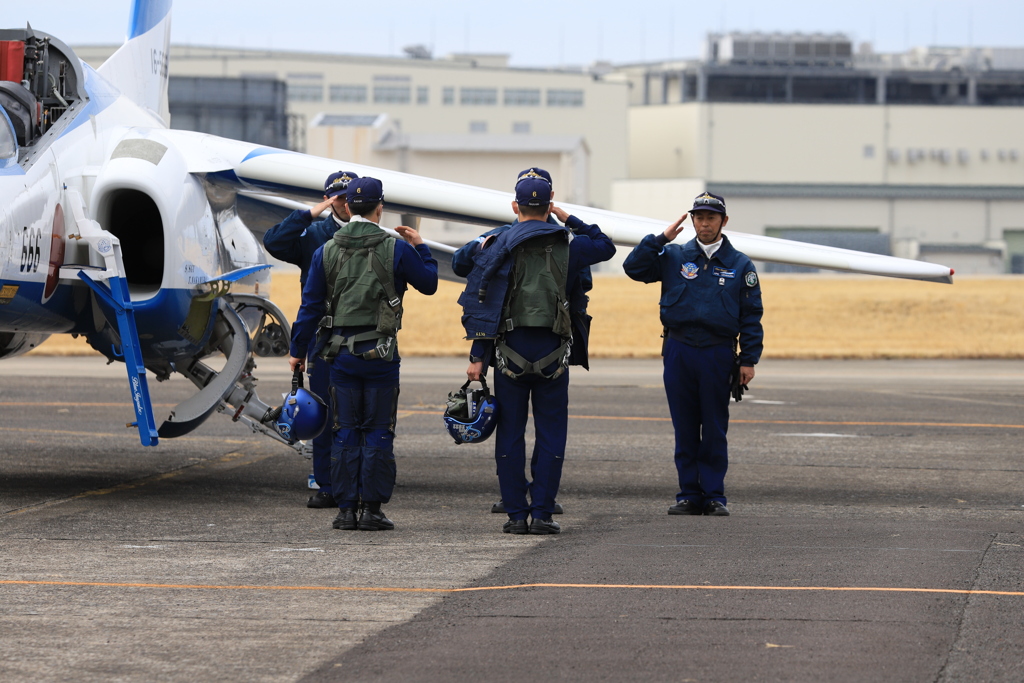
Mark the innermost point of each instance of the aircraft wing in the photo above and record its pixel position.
(444, 265)
(300, 176)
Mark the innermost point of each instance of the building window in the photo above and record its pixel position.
(520, 126)
(392, 90)
(348, 93)
(477, 126)
(422, 95)
(448, 95)
(565, 98)
(522, 97)
(391, 94)
(478, 96)
(869, 151)
(305, 87)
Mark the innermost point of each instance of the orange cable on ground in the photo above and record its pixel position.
(413, 411)
(876, 589)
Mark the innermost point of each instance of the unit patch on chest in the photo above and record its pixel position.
(689, 270)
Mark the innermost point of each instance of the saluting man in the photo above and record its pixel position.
(462, 265)
(516, 310)
(294, 240)
(354, 297)
(710, 294)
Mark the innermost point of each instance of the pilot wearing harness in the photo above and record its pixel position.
(353, 302)
(462, 264)
(294, 240)
(517, 313)
(710, 294)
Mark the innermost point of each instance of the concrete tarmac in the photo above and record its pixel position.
(877, 534)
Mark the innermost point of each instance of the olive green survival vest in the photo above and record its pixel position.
(537, 298)
(359, 267)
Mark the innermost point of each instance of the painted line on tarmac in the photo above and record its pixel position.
(130, 432)
(403, 412)
(773, 422)
(476, 589)
(77, 404)
(234, 459)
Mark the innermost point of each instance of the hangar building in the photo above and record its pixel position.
(916, 154)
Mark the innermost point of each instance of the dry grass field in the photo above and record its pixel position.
(806, 316)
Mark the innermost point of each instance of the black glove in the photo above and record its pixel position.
(736, 388)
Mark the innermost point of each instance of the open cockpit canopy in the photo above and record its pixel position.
(40, 79)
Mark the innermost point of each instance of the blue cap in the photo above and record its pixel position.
(534, 173)
(337, 183)
(365, 191)
(709, 202)
(533, 192)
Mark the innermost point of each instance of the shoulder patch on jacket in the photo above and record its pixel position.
(751, 279)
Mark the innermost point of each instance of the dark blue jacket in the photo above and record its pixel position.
(588, 247)
(462, 259)
(294, 239)
(413, 266)
(704, 302)
(462, 264)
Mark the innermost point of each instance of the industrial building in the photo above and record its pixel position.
(915, 154)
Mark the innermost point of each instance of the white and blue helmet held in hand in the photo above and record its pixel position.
(302, 416)
(472, 414)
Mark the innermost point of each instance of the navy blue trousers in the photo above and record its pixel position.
(697, 386)
(550, 399)
(365, 409)
(320, 384)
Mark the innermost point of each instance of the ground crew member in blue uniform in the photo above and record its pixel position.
(462, 265)
(523, 329)
(294, 240)
(710, 294)
(353, 301)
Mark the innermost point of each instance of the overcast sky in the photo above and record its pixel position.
(533, 32)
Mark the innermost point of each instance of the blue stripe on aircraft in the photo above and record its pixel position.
(145, 15)
(10, 167)
(262, 151)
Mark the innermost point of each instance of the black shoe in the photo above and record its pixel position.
(321, 499)
(687, 507)
(515, 526)
(558, 509)
(375, 521)
(716, 509)
(346, 520)
(544, 526)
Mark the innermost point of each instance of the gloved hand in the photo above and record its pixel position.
(735, 387)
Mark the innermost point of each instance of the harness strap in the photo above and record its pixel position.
(503, 351)
(375, 263)
(384, 348)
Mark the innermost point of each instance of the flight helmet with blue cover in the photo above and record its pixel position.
(472, 414)
(303, 415)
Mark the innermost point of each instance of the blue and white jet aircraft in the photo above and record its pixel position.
(117, 228)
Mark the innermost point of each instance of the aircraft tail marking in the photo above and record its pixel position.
(139, 67)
